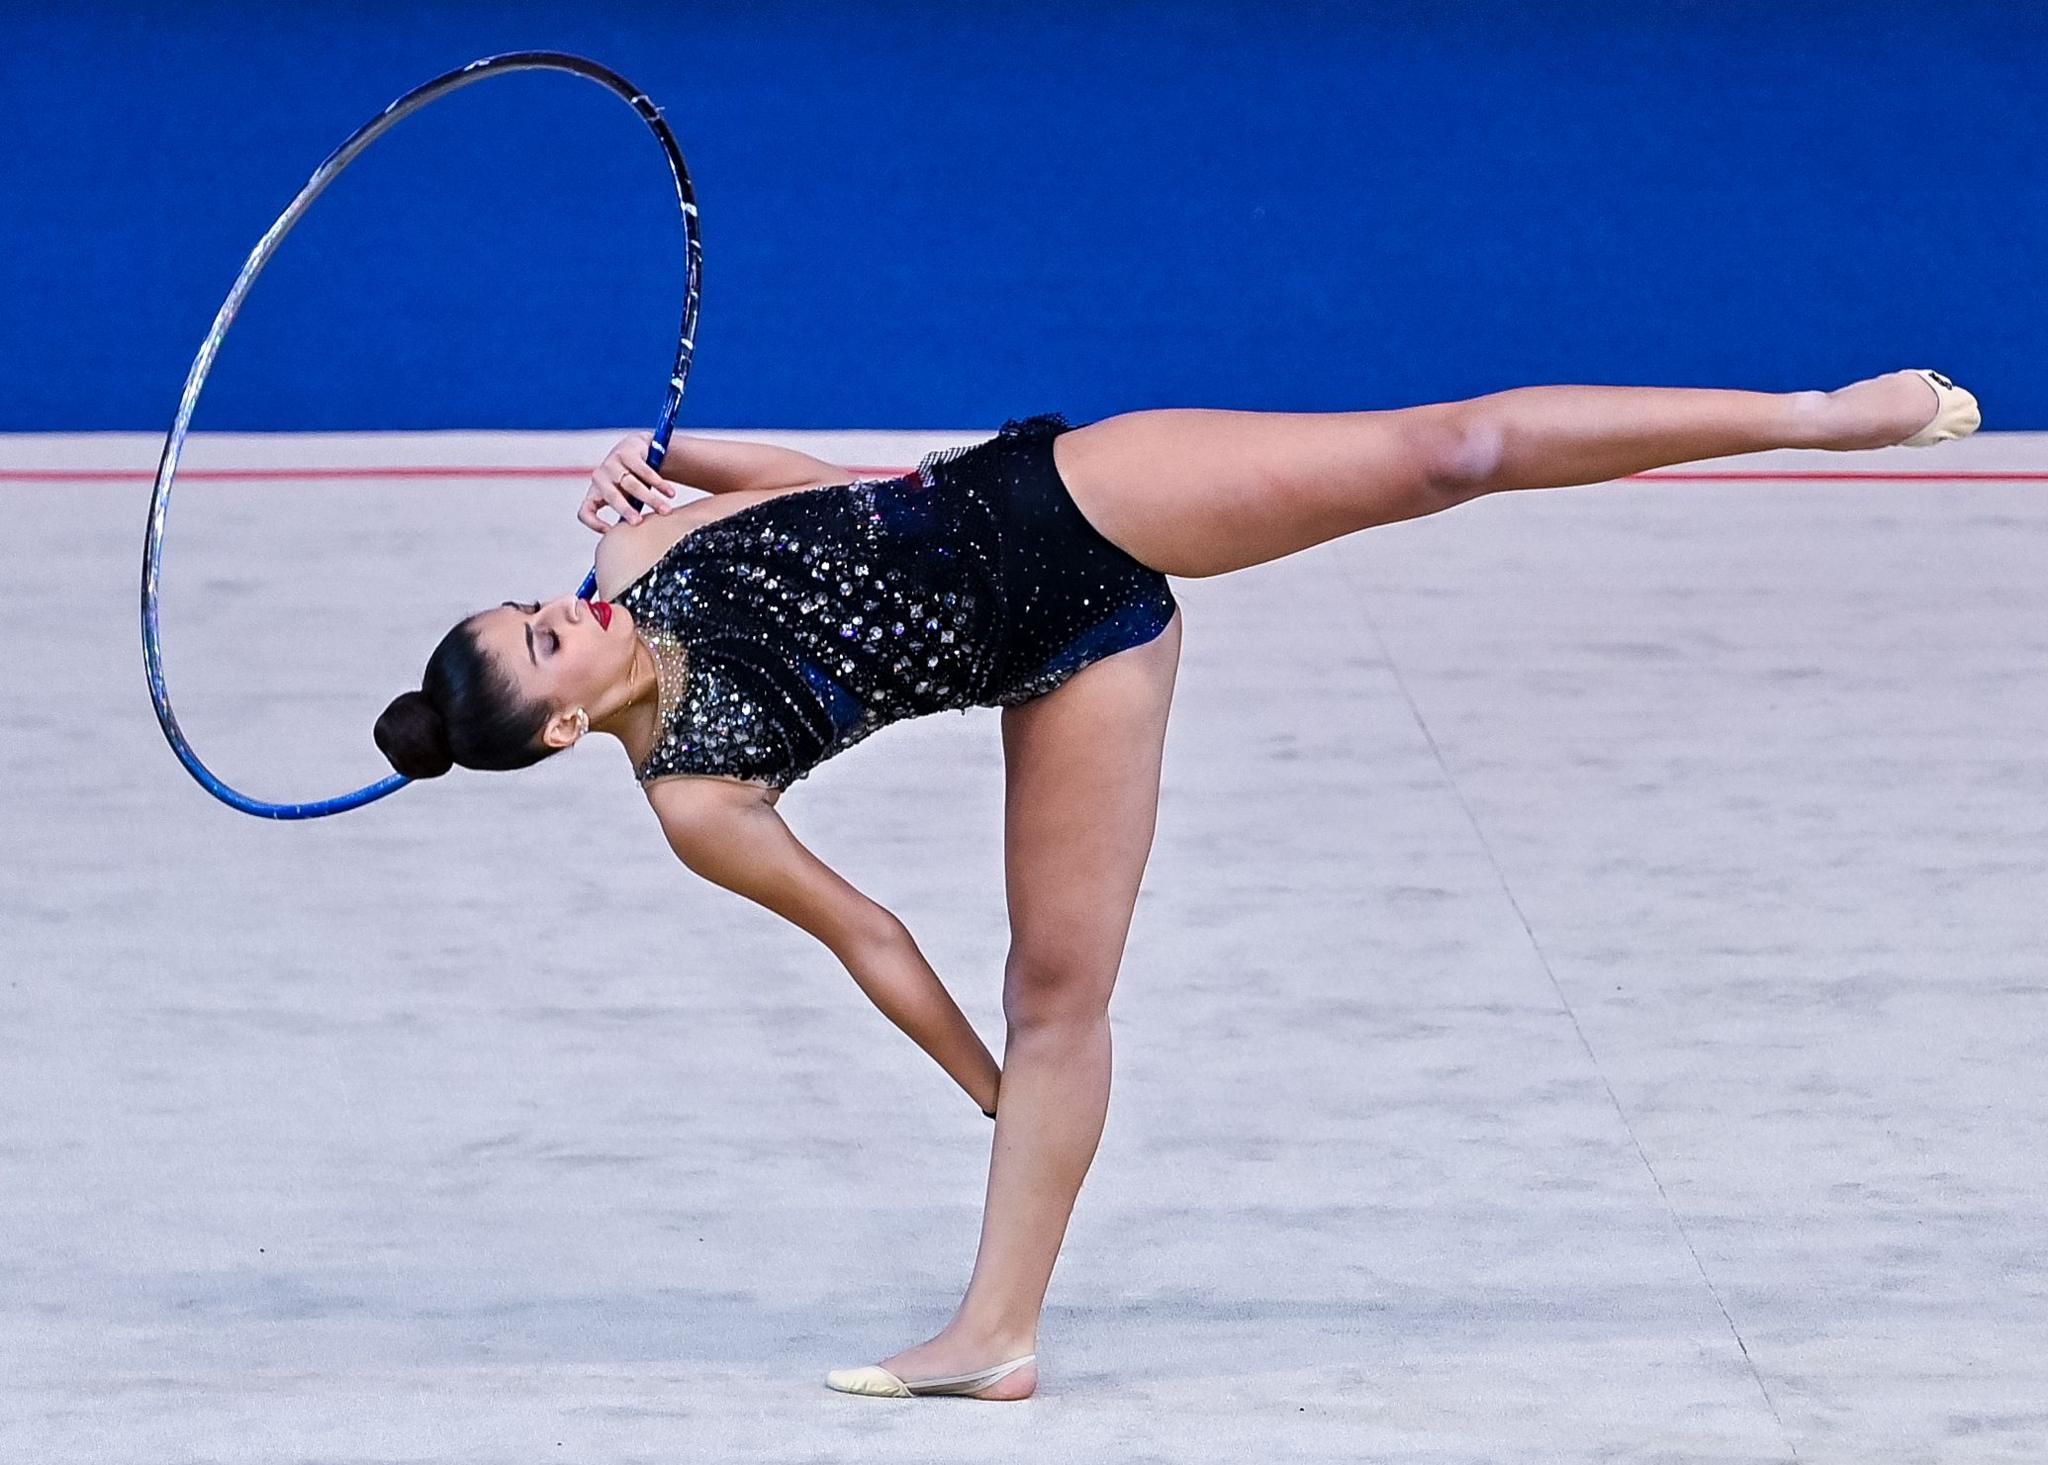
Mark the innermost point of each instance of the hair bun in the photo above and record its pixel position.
(413, 736)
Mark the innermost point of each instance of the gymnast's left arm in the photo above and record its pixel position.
(744, 845)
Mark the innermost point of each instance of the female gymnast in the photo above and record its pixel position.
(743, 637)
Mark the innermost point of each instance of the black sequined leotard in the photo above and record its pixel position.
(791, 629)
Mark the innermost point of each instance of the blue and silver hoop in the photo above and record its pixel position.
(341, 157)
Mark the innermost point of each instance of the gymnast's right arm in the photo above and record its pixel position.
(715, 465)
(736, 839)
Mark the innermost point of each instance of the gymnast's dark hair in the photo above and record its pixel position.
(466, 711)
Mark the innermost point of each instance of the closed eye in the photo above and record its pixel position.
(553, 640)
(534, 607)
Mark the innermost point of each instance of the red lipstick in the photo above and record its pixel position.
(603, 613)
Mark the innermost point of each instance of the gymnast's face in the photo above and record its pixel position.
(561, 653)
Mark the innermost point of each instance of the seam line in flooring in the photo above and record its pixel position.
(1670, 1210)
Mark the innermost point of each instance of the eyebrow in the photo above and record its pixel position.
(529, 639)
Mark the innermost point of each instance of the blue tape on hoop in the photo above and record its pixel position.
(174, 443)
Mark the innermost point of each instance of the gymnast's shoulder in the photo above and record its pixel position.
(625, 552)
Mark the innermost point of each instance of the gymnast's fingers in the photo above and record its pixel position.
(629, 460)
(616, 474)
(586, 512)
(602, 494)
(615, 494)
(635, 462)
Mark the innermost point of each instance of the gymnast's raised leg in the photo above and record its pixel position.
(1199, 491)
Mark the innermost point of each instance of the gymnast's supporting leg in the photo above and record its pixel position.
(1082, 771)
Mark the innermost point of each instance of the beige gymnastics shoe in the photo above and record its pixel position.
(878, 1382)
(1955, 414)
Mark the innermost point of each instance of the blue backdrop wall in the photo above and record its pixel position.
(925, 215)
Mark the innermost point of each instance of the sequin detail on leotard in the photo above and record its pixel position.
(807, 621)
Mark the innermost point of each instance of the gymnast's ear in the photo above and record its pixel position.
(564, 729)
(414, 737)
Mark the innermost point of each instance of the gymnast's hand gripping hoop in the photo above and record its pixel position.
(341, 157)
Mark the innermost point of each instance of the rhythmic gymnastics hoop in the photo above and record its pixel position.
(174, 442)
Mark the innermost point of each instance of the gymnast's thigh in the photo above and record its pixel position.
(1081, 798)
(1196, 491)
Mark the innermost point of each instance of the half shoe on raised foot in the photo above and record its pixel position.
(1956, 416)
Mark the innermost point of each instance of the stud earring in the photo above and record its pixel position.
(582, 723)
